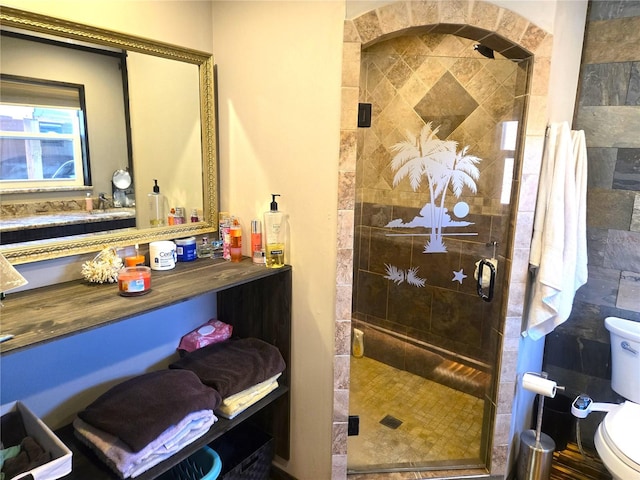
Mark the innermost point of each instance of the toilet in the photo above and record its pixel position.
(617, 438)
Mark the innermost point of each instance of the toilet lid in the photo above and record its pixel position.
(622, 426)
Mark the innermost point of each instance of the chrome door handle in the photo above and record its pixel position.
(626, 346)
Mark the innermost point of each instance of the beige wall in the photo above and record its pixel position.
(183, 23)
(279, 109)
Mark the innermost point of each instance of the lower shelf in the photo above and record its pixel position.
(87, 465)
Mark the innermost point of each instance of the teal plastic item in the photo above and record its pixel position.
(205, 464)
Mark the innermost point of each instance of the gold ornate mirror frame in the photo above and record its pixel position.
(54, 248)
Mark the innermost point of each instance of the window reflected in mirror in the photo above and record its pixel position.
(42, 134)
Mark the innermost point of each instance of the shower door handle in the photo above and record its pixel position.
(487, 297)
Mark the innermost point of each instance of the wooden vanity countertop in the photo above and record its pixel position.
(48, 313)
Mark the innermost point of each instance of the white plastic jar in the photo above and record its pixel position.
(162, 255)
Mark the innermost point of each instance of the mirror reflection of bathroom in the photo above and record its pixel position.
(433, 198)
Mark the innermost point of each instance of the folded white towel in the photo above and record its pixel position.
(239, 402)
(119, 457)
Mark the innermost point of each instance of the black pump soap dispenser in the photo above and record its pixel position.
(274, 235)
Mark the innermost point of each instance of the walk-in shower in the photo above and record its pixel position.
(436, 168)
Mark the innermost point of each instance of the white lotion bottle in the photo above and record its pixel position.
(274, 231)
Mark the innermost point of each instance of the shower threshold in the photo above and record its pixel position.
(449, 470)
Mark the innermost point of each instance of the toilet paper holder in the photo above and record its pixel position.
(541, 385)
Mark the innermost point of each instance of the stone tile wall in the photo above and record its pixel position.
(577, 354)
(439, 79)
(509, 34)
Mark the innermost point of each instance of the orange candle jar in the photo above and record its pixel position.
(134, 281)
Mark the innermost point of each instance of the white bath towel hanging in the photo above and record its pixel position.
(559, 247)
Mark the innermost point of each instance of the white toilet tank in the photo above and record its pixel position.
(625, 357)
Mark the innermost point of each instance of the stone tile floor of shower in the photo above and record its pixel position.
(439, 424)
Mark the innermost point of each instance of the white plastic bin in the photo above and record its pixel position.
(60, 464)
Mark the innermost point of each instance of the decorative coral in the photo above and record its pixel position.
(103, 268)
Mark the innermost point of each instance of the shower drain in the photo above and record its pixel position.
(391, 422)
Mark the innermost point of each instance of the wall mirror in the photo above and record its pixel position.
(172, 139)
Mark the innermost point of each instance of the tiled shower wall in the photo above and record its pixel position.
(577, 353)
(474, 18)
(410, 81)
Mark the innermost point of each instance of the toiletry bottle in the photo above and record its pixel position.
(89, 202)
(156, 206)
(180, 216)
(194, 215)
(256, 242)
(235, 234)
(205, 249)
(357, 343)
(224, 224)
(274, 230)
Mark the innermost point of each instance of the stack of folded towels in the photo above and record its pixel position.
(243, 371)
(143, 421)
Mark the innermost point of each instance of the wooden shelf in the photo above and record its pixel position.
(254, 299)
(49, 313)
(87, 465)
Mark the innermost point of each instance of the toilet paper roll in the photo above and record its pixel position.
(535, 383)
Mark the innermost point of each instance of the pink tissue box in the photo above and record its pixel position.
(213, 331)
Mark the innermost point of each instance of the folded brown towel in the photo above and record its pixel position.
(31, 455)
(233, 365)
(138, 410)
(12, 429)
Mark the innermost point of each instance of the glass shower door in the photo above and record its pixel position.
(433, 205)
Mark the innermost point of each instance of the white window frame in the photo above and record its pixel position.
(37, 180)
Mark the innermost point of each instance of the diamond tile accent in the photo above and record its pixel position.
(446, 104)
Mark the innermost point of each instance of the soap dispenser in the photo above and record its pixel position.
(156, 206)
(274, 230)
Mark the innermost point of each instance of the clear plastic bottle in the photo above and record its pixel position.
(156, 206)
(274, 230)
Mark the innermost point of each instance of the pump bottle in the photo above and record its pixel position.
(156, 206)
(274, 230)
